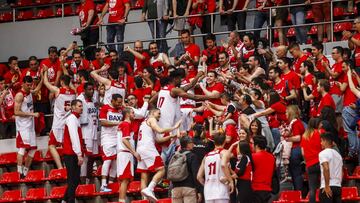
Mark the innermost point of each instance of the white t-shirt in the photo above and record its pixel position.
(335, 166)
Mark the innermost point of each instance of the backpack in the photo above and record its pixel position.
(178, 169)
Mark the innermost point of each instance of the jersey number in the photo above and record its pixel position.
(212, 168)
(160, 102)
(139, 135)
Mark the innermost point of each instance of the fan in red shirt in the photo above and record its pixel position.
(289, 75)
(140, 91)
(239, 18)
(159, 61)
(353, 41)
(33, 69)
(299, 56)
(3, 69)
(90, 35)
(53, 66)
(248, 49)
(142, 58)
(213, 89)
(317, 49)
(285, 89)
(323, 88)
(77, 63)
(12, 77)
(7, 119)
(211, 53)
(191, 55)
(118, 12)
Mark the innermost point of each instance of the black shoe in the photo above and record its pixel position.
(22, 176)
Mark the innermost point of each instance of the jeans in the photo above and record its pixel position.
(91, 38)
(314, 181)
(73, 180)
(348, 116)
(260, 19)
(276, 136)
(161, 26)
(335, 198)
(118, 31)
(238, 19)
(295, 168)
(298, 18)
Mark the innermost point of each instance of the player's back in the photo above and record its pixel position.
(61, 104)
(213, 188)
(115, 88)
(146, 136)
(168, 106)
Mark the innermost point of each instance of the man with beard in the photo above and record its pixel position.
(211, 53)
(141, 57)
(77, 63)
(159, 61)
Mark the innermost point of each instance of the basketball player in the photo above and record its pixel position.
(112, 85)
(89, 126)
(25, 127)
(218, 183)
(63, 97)
(110, 117)
(125, 152)
(150, 158)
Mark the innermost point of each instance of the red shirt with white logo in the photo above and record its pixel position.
(334, 88)
(319, 66)
(194, 51)
(293, 78)
(116, 10)
(297, 62)
(326, 100)
(84, 13)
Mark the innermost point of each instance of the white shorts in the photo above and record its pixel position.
(187, 118)
(56, 137)
(150, 160)
(125, 165)
(26, 139)
(109, 151)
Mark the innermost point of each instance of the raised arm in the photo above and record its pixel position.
(95, 74)
(48, 85)
(193, 82)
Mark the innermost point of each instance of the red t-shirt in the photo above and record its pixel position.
(357, 50)
(280, 88)
(84, 65)
(264, 163)
(139, 65)
(319, 65)
(349, 96)
(280, 110)
(312, 148)
(212, 57)
(297, 63)
(219, 87)
(125, 128)
(116, 10)
(334, 89)
(211, 6)
(140, 93)
(293, 78)
(8, 107)
(308, 80)
(84, 12)
(53, 68)
(29, 72)
(3, 69)
(194, 51)
(326, 100)
(297, 129)
(9, 76)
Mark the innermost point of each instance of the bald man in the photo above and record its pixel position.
(281, 51)
(142, 58)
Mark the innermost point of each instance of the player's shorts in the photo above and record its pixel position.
(125, 165)
(56, 137)
(26, 139)
(150, 160)
(92, 146)
(187, 118)
(109, 151)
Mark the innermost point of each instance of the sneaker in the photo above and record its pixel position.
(104, 188)
(149, 194)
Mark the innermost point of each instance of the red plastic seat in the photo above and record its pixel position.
(313, 30)
(114, 189)
(134, 187)
(349, 194)
(6, 17)
(290, 196)
(291, 32)
(8, 158)
(43, 1)
(339, 27)
(68, 11)
(11, 196)
(309, 15)
(24, 3)
(25, 15)
(35, 176)
(45, 13)
(36, 194)
(140, 201)
(99, 7)
(57, 192)
(166, 200)
(338, 11)
(38, 153)
(57, 175)
(85, 190)
(97, 173)
(10, 178)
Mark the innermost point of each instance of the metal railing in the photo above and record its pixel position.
(269, 28)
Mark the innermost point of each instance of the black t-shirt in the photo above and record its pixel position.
(248, 111)
(201, 148)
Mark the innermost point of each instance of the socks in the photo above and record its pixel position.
(25, 171)
(121, 200)
(103, 182)
(20, 169)
(152, 185)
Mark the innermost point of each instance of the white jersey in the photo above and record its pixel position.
(115, 88)
(213, 188)
(61, 101)
(26, 123)
(185, 102)
(146, 136)
(109, 113)
(89, 118)
(169, 107)
(125, 131)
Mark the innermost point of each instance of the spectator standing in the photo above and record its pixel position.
(89, 32)
(157, 12)
(298, 18)
(311, 147)
(141, 57)
(73, 150)
(7, 101)
(331, 164)
(25, 126)
(233, 19)
(12, 77)
(321, 11)
(280, 16)
(264, 164)
(188, 190)
(181, 8)
(354, 40)
(261, 16)
(118, 13)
